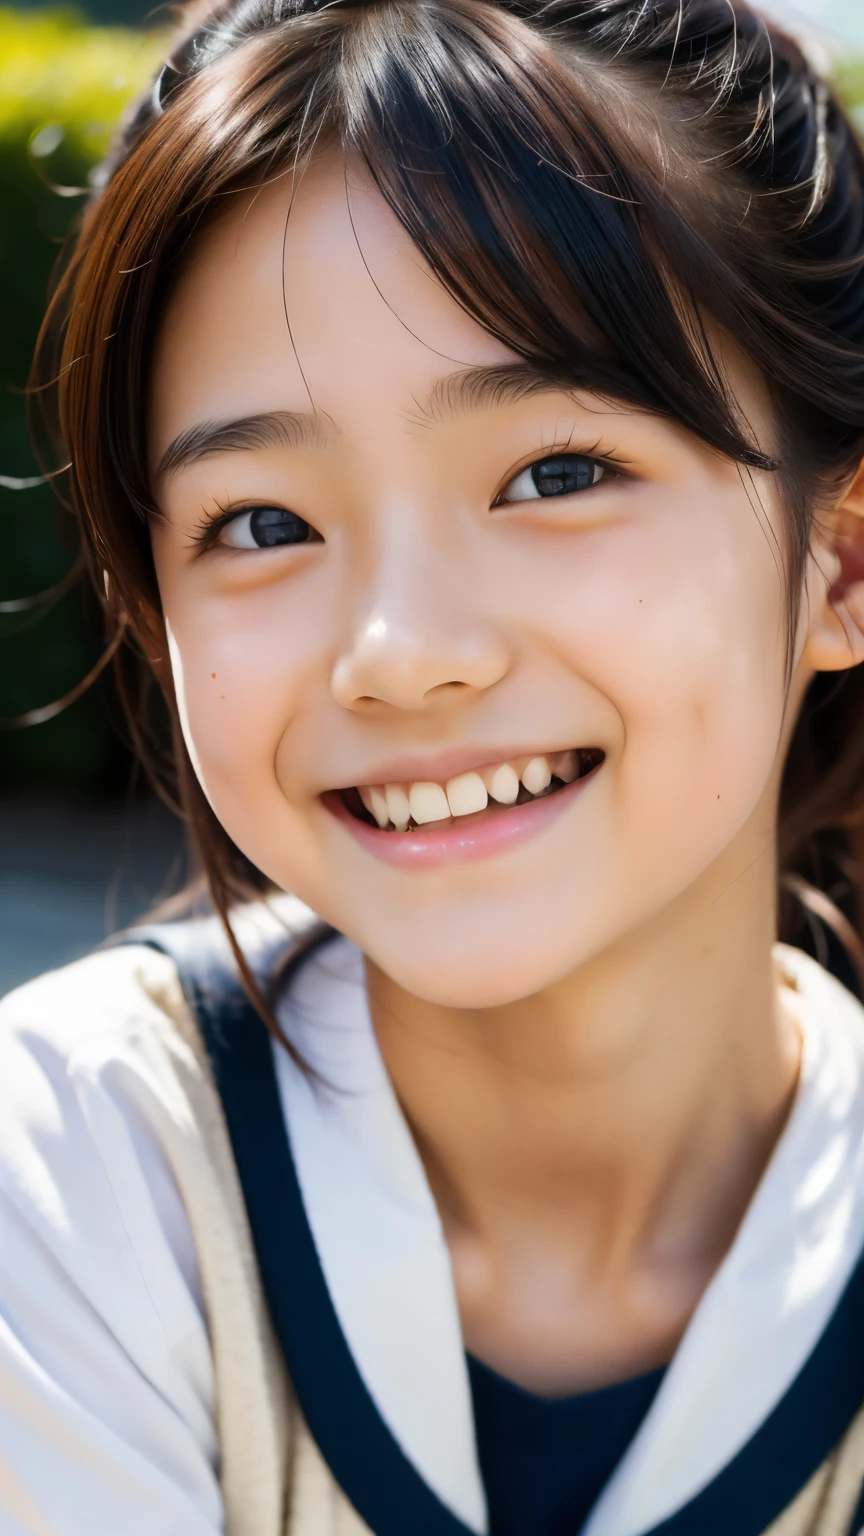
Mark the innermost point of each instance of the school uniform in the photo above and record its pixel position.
(226, 1301)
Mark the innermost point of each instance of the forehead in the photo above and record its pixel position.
(307, 290)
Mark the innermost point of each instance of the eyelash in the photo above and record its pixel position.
(207, 533)
(610, 467)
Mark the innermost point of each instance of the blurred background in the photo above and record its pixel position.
(83, 847)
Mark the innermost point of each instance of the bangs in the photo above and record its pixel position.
(547, 224)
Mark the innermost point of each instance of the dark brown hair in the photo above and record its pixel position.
(590, 179)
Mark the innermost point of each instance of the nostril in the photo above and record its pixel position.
(456, 686)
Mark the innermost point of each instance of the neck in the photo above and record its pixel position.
(625, 1113)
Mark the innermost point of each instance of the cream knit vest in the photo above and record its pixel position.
(274, 1480)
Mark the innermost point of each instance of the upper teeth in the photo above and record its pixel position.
(397, 804)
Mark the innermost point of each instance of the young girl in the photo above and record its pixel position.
(507, 1176)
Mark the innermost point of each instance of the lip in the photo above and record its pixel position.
(442, 766)
(466, 839)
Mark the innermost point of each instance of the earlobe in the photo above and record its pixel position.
(836, 636)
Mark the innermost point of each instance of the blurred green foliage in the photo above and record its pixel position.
(63, 83)
(849, 81)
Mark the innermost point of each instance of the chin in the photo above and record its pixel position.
(482, 971)
(476, 987)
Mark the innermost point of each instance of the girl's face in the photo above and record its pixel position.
(391, 556)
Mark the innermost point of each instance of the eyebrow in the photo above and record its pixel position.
(456, 394)
(267, 429)
(485, 388)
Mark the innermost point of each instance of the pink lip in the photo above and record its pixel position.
(466, 839)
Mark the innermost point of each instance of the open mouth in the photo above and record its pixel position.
(482, 793)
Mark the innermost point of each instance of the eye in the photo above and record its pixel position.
(560, 475)
(265, 528)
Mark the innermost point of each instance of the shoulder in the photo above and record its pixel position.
(92, 1023)
(820, 1001)
(106, 1375)
(96, 998)
(51, 1028)
(827, 1124)
(118, 1014)
(85, 1081)
(101, 1070)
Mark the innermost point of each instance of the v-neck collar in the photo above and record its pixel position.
(382, 1253)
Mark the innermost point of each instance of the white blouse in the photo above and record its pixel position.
(106, 1377)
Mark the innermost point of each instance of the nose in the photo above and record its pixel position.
(415, 645)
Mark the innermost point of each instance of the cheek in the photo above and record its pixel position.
(681, 626)
(240, 663)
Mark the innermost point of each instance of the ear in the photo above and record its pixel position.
(836, 634)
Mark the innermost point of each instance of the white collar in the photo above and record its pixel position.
(387, 1267)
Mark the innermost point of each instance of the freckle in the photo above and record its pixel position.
(213, 674)
(222, 697)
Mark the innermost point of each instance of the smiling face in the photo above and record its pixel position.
(392, 558)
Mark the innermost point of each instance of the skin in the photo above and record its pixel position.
(586, 1032)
